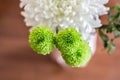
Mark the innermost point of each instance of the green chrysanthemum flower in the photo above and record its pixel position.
(80, 57)
(41, 40)
(67, 40)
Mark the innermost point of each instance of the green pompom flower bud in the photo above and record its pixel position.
(67, 40)
(41, 40)
(80, 57)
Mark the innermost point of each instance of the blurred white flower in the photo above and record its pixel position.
(80, 14)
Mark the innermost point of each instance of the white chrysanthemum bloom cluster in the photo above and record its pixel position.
(56, 14)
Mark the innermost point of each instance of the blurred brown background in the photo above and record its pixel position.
(19, 62)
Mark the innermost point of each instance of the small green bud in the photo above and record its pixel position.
(80, 57)
(67, 40)
(41, 40)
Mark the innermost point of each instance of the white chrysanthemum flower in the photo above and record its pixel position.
(80, 14)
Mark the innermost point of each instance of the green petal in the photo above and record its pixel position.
(41, 40)
(80, 57)
(67, 40)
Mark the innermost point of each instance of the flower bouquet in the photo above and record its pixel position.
(67, 28)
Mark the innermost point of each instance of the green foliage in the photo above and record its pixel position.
(111, 47)
(113, 27)
(80, 57)
(67, 40)
(41, 40)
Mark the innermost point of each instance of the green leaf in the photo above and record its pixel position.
(117, 26)
(109, 29)
(116, 16)
(110, 15)
(103, 27)
(117, 7)
(111, 48)
(116, 34)
(118, 20)
(104, 38)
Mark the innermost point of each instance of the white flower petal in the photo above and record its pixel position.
(80, 14)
